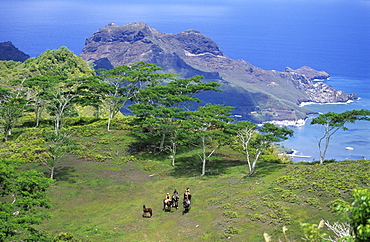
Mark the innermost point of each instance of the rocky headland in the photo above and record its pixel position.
(257, 95)
(9, 52)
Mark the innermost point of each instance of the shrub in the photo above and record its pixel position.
(230, 214)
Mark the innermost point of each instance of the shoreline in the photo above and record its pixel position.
(286, 123)
(302, 104)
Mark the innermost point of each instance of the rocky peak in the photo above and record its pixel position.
(196, 43)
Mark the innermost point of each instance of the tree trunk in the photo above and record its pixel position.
(110, 116)
(253, 168)
(52, 172)
(161, 146)
(203, 156)
(173, 153)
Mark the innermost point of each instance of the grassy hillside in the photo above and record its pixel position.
(101, 187)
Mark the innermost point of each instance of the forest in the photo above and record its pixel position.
(122, 138)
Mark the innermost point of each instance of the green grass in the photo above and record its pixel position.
(101, 199)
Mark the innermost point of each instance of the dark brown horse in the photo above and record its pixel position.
(167, 204)
(147, 211)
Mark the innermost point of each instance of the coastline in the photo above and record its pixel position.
(311, 103)
(286, 123)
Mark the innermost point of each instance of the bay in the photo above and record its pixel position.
(305, 139)
(271, 34)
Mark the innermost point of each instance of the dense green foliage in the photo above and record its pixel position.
(21, 193)
(359, 214)
(60, 62)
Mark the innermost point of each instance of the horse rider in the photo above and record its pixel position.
(187, 192)
(168, 198)
(175, 194)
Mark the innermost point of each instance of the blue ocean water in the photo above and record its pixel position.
(272, 34)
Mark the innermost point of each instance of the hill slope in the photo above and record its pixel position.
(257, 94)
(100, 197)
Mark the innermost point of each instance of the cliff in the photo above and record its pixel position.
(258, 95)
(9, 52)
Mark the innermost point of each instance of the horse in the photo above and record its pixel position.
(167, 205)
(175, 201)
(147, 211)
(186, 205)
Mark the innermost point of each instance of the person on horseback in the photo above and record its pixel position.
(168, 198)
(187, 193)
(175, 198)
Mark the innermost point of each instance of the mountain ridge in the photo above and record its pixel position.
(257, 95)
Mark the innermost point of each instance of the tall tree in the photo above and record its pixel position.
(332, 122)
(268, 135)
(37, 94)
(22, 194)
(253, 141)
(10, 112)
(245, 131)
(208, 126)
(62, 94)
(160, 109)
(124, 83)
(11, 109)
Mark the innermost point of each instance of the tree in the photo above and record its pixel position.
(254, 141)
(57, 146)
(124, 83)
(10, 112)
(11, 109)
(245, 131)
(208, 127)
(62, 93)
(37, 95)
(160, 110)
(332, 122)
(22, 194)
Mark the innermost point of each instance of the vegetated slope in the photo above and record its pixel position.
(101, 188)
(257, 94)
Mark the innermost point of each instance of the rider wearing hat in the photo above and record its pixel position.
(187, 192)
(168, 197)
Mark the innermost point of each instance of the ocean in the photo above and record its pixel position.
(271, 34)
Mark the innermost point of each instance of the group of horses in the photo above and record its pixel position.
(171, 203)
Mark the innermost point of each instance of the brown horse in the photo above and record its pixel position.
(147, 211)
(167, 205)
